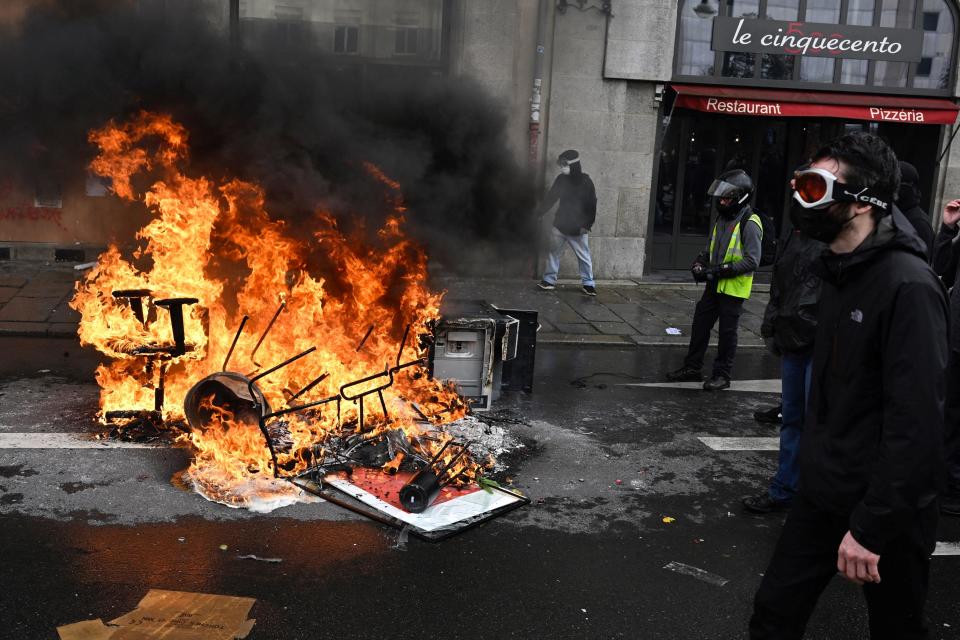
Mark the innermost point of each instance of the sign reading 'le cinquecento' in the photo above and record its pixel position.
(814, 39)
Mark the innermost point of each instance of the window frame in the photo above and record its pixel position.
(346, 39)
(835, 84)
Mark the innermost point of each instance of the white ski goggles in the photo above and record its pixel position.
(818, 188)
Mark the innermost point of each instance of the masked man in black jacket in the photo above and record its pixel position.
(576, 213)
(946, 262)
(871, 456)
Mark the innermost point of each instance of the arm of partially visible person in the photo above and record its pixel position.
(905, 474)
(772, 311)
(751, 235)
(945, 250)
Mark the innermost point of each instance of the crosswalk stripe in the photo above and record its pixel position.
(741, 444)
(67, 441)
(752, 386)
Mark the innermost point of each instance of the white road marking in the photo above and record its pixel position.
(697, 573)
(741, 444)
(754, 386)
(947, 549)
(67, 441)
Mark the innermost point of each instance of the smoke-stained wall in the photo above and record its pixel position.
(280, 112)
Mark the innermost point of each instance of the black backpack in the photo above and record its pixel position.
(768, 246)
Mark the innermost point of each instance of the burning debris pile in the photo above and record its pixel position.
(281, 352)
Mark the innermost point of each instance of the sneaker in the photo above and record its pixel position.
(773, 415)
(763, 503)
(546, 286)
(590, 291)
(685, 374)
(950, 503)
(716, 383)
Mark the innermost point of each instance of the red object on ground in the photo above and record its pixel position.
(387, 487)
(774, 103)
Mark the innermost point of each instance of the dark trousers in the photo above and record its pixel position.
(951, 423)
(711, 307)
(805, 560)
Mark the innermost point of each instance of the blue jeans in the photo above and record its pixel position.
(795, 371)
(558, 241)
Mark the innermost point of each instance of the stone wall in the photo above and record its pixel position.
(612, 122)
(640, 41)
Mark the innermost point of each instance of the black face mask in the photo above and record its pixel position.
(730, 211)
(821, 224)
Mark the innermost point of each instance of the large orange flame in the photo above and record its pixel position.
(214, 241)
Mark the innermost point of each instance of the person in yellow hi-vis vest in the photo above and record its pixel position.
(727, 266)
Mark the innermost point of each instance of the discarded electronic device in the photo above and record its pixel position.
(476, 346)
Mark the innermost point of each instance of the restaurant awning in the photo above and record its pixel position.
(741, 101)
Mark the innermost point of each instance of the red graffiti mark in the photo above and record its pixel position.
(30, 213)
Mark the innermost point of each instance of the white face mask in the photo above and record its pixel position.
(565, 170)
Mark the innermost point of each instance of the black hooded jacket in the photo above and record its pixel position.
(791, 314)
(578, 201)
(946, 264)
(872, 446)
(908, 200)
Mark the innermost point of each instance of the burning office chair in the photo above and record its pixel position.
(157, 356)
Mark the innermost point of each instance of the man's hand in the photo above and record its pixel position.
(856, 563)
(699, 272)
(951, 213)
(724, 270)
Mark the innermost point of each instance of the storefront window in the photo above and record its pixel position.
(931, 73)
(898, 14)
(777, 67)
(740, 65)
(699, 172)
(667, 188)
(696, 56)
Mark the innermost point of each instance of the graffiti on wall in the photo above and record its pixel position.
(27, 212)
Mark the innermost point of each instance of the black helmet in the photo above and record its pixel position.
(735, 185)
(568, 157)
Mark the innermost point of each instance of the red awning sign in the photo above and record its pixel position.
(797, 104)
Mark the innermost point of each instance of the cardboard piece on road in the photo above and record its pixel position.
(172, 615)
(86, 630)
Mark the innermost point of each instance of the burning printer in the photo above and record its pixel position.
(483, 349)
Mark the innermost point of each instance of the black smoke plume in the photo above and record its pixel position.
(283, 115)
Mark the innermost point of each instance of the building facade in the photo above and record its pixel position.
(661, 96)
(658, 96)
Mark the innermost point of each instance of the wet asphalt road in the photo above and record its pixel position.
(86, 533)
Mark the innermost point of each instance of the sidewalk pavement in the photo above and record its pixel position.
(625, 313)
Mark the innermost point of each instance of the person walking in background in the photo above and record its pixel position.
(577, 210)
(727, 266)
(908, 201)
(789, 327)
(946, 262)
(871, 458)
